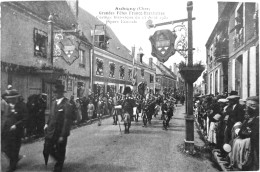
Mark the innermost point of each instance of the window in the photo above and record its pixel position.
(101, 41)
(80, 89)
(151, 78)
(99, 63)
(112, 67)
(40, 43)
(69, 85)
(82, 58)
(142, 73)
(100, 36)
(239, 31)
(141, 57)
(130, 74)
(122, 72)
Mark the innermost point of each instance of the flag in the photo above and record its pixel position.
(134, 72)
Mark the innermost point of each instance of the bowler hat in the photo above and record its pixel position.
(233, 93)
(127, 90)
(59, 88)
(253, 98)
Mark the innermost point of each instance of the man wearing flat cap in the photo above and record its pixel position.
(57, 128)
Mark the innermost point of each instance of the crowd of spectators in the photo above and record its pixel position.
(231, 126)
(85, 108)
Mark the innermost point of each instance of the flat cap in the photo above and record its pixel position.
(254, 98)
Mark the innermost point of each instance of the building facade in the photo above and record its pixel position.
(233, 50)
(166, 80)
(26, 62)
(113, 65)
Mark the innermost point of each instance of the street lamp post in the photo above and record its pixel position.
(50, 48)
(189, 140)
(189, 118)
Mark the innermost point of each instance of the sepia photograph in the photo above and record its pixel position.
(129, 86)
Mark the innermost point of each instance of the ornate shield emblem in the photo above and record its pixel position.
(163, 44)
(66, 46)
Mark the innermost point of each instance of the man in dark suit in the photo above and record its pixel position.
(235, 112)
(58, 128)
(13, 128)
(235, 115)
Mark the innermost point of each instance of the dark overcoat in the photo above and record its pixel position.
(60, 120)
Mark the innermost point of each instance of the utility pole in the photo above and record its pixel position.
(50, 49)
(189, 140)
(189, 118)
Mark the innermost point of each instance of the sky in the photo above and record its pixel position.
(137, 34)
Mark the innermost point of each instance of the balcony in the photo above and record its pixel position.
(221, 50)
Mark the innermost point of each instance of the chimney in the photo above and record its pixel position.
(151, 62)
(140, 57)
(221, 7)
(74, 7)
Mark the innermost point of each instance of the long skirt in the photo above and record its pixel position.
(212, 133)
(240, 154)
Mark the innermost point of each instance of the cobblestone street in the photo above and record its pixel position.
(104, 148)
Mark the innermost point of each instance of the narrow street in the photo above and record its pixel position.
(104, 148)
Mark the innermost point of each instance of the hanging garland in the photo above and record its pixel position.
(112, 70)
(99, 63)
(130, 74)
(142, 72)
(122, 72)
(10, 67)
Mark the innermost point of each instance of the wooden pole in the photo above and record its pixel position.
(50, 51)
(189, 141)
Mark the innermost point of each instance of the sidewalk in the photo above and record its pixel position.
(213, 151)
(201, 153)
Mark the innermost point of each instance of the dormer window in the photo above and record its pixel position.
(101, 41)
(100, 36)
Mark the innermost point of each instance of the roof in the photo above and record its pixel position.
(162, 72)
(87, 23)
(169, 70)
(222, 20)
(43, 9)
